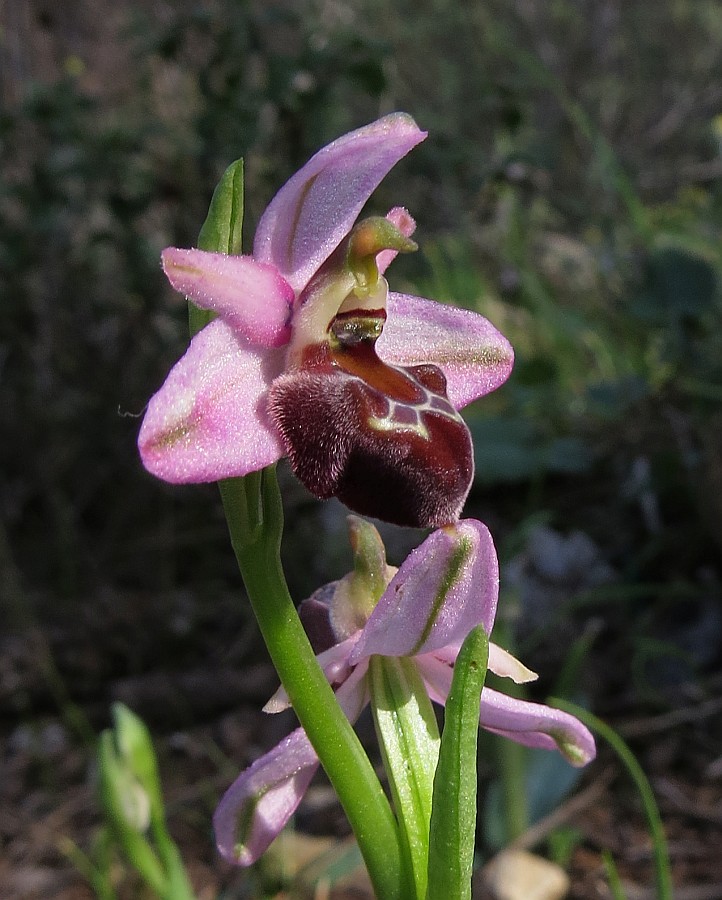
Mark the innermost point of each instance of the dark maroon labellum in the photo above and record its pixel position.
(383, 439)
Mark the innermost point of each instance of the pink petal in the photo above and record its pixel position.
(315, 209)
(259, 803)
(443, 589)
(407, 226)
(531, 724)
(336, 668)
(255, 808)
(473, 355)
(501, 662)
(536, 725)
(251, 296)
(208, 421)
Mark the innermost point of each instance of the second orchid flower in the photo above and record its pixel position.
(423, 611)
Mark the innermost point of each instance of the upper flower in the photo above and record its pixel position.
(445, 588)
(312, 357)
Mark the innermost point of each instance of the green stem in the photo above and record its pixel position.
(663, 872)
(255, 519)
(615, 882)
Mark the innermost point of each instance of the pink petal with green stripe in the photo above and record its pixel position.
(208, 420)
(312, 213)
(475, 357)
(443, 589)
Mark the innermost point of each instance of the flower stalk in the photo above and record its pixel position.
(255, 520)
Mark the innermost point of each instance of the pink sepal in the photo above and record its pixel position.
(443, 589)
(208, 420)
(531, 724)
(255, 808)
(312, 213)
(263, 798)
(251, 296)
(475, 358)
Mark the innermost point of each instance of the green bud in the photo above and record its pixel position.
(135, 749)
(127, 808)
(358, 592)
(370, 572)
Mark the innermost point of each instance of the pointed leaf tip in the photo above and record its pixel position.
(222, 230)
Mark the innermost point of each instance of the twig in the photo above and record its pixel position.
(673, 795)
(667, 721)
(712, 891)
(566, 811)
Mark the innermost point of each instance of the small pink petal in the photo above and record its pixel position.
(353, 694)
(312, 213)
(443, 589)
(336, 668)
(208, 420)
(251, 296)
(407, 226)
(259, 803)
(502, 663)
(475, 358)
(531, 724)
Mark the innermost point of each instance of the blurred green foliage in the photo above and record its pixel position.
(569, 190)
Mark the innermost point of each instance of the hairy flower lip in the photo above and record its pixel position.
(444, 588)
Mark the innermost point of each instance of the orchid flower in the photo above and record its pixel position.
(312, 357)
(423, 610)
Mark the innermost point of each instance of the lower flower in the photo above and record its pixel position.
(424, 610)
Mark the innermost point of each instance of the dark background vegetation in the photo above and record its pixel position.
(569, 190)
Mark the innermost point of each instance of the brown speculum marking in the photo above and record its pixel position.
(383, 439)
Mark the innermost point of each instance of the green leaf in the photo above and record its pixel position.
(222, 230)
(453, 817)
(409, 740)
